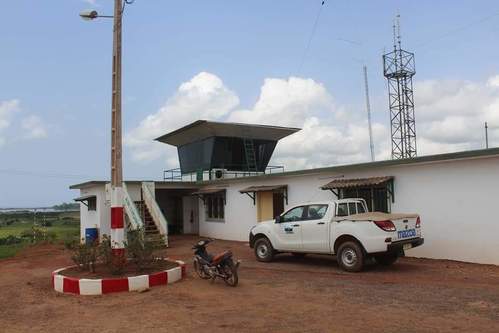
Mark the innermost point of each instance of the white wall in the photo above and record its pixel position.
(98, 218)
(134, 190)
(457, 201)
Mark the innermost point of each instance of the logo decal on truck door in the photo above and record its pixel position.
(288, 228)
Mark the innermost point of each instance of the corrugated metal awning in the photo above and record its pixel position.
(85, 198)
(209, 191)
(251, 191)
(357, 182)
(263, 188)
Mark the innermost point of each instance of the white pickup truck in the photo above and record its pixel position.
(343, 228)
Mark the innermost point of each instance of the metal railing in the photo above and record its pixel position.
(176, 174)
(153, 207)
(131, 210)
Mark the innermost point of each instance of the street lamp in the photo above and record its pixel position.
(117, 218)
(89, 15)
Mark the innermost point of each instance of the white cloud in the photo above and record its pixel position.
(13, 129)
(203, 97)
(286, 102)
(7, 111)
(33, 127)
(450, 117)
(329, 134)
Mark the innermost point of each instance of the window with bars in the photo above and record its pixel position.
(377, 198)
(215, 207)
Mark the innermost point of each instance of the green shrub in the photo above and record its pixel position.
(10, 240)
(115, 264)
(105, 250)
(51, 236)
(46, 223)
(138, 250)
(38, 234)
(85, 255)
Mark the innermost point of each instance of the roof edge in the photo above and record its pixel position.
(468, 154)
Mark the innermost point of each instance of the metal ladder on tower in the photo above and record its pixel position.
(249, 151)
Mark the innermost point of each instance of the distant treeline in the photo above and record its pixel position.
(67, 206)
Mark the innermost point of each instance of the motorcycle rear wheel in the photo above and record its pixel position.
(231, 279)
(200, 271)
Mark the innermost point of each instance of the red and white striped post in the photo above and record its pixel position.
(117, 222)
(117, 218)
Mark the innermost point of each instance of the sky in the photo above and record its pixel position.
(253, 61)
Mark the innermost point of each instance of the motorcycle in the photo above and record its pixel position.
(221, 265)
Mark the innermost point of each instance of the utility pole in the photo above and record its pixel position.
(486, 136)
(368, 107)
(117, 218)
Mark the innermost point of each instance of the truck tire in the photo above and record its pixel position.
(350, 257)
(386, 259)
(263, 250)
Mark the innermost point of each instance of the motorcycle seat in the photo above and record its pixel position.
(217, 258)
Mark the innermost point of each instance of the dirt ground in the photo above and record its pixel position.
(291, 294)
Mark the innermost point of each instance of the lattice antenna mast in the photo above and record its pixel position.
(399, 68)
(368, 108)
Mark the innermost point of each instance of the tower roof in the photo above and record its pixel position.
(202, 129)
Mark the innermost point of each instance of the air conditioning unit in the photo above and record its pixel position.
(218, 173)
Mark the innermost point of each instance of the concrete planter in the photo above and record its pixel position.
(81, 286)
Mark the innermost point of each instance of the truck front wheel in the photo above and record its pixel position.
(264, 250)
(350, 257)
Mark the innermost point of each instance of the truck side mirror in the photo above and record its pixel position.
(278, 219)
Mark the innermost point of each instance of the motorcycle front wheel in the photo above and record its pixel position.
(231, 277)
(200, 270)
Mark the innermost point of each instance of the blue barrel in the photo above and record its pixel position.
(91, 235)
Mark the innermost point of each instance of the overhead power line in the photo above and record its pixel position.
(312, 34)
(456, 30)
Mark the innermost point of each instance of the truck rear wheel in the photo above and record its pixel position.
(264, 250)
(386, 259)
(350, 257)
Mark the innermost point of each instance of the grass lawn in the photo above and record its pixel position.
(63, 229)
(7, 251)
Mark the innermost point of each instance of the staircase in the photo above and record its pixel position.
(151, 231)
(249, 151)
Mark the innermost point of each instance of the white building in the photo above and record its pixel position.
(455, 194)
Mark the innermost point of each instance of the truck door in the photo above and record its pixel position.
(315, 229)
(288, 231)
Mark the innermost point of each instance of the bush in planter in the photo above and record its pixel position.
(115, 264)
(138, 250)
(85, 255)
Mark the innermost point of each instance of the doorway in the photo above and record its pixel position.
(269, 205)
(190, 215)
(175, 204)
